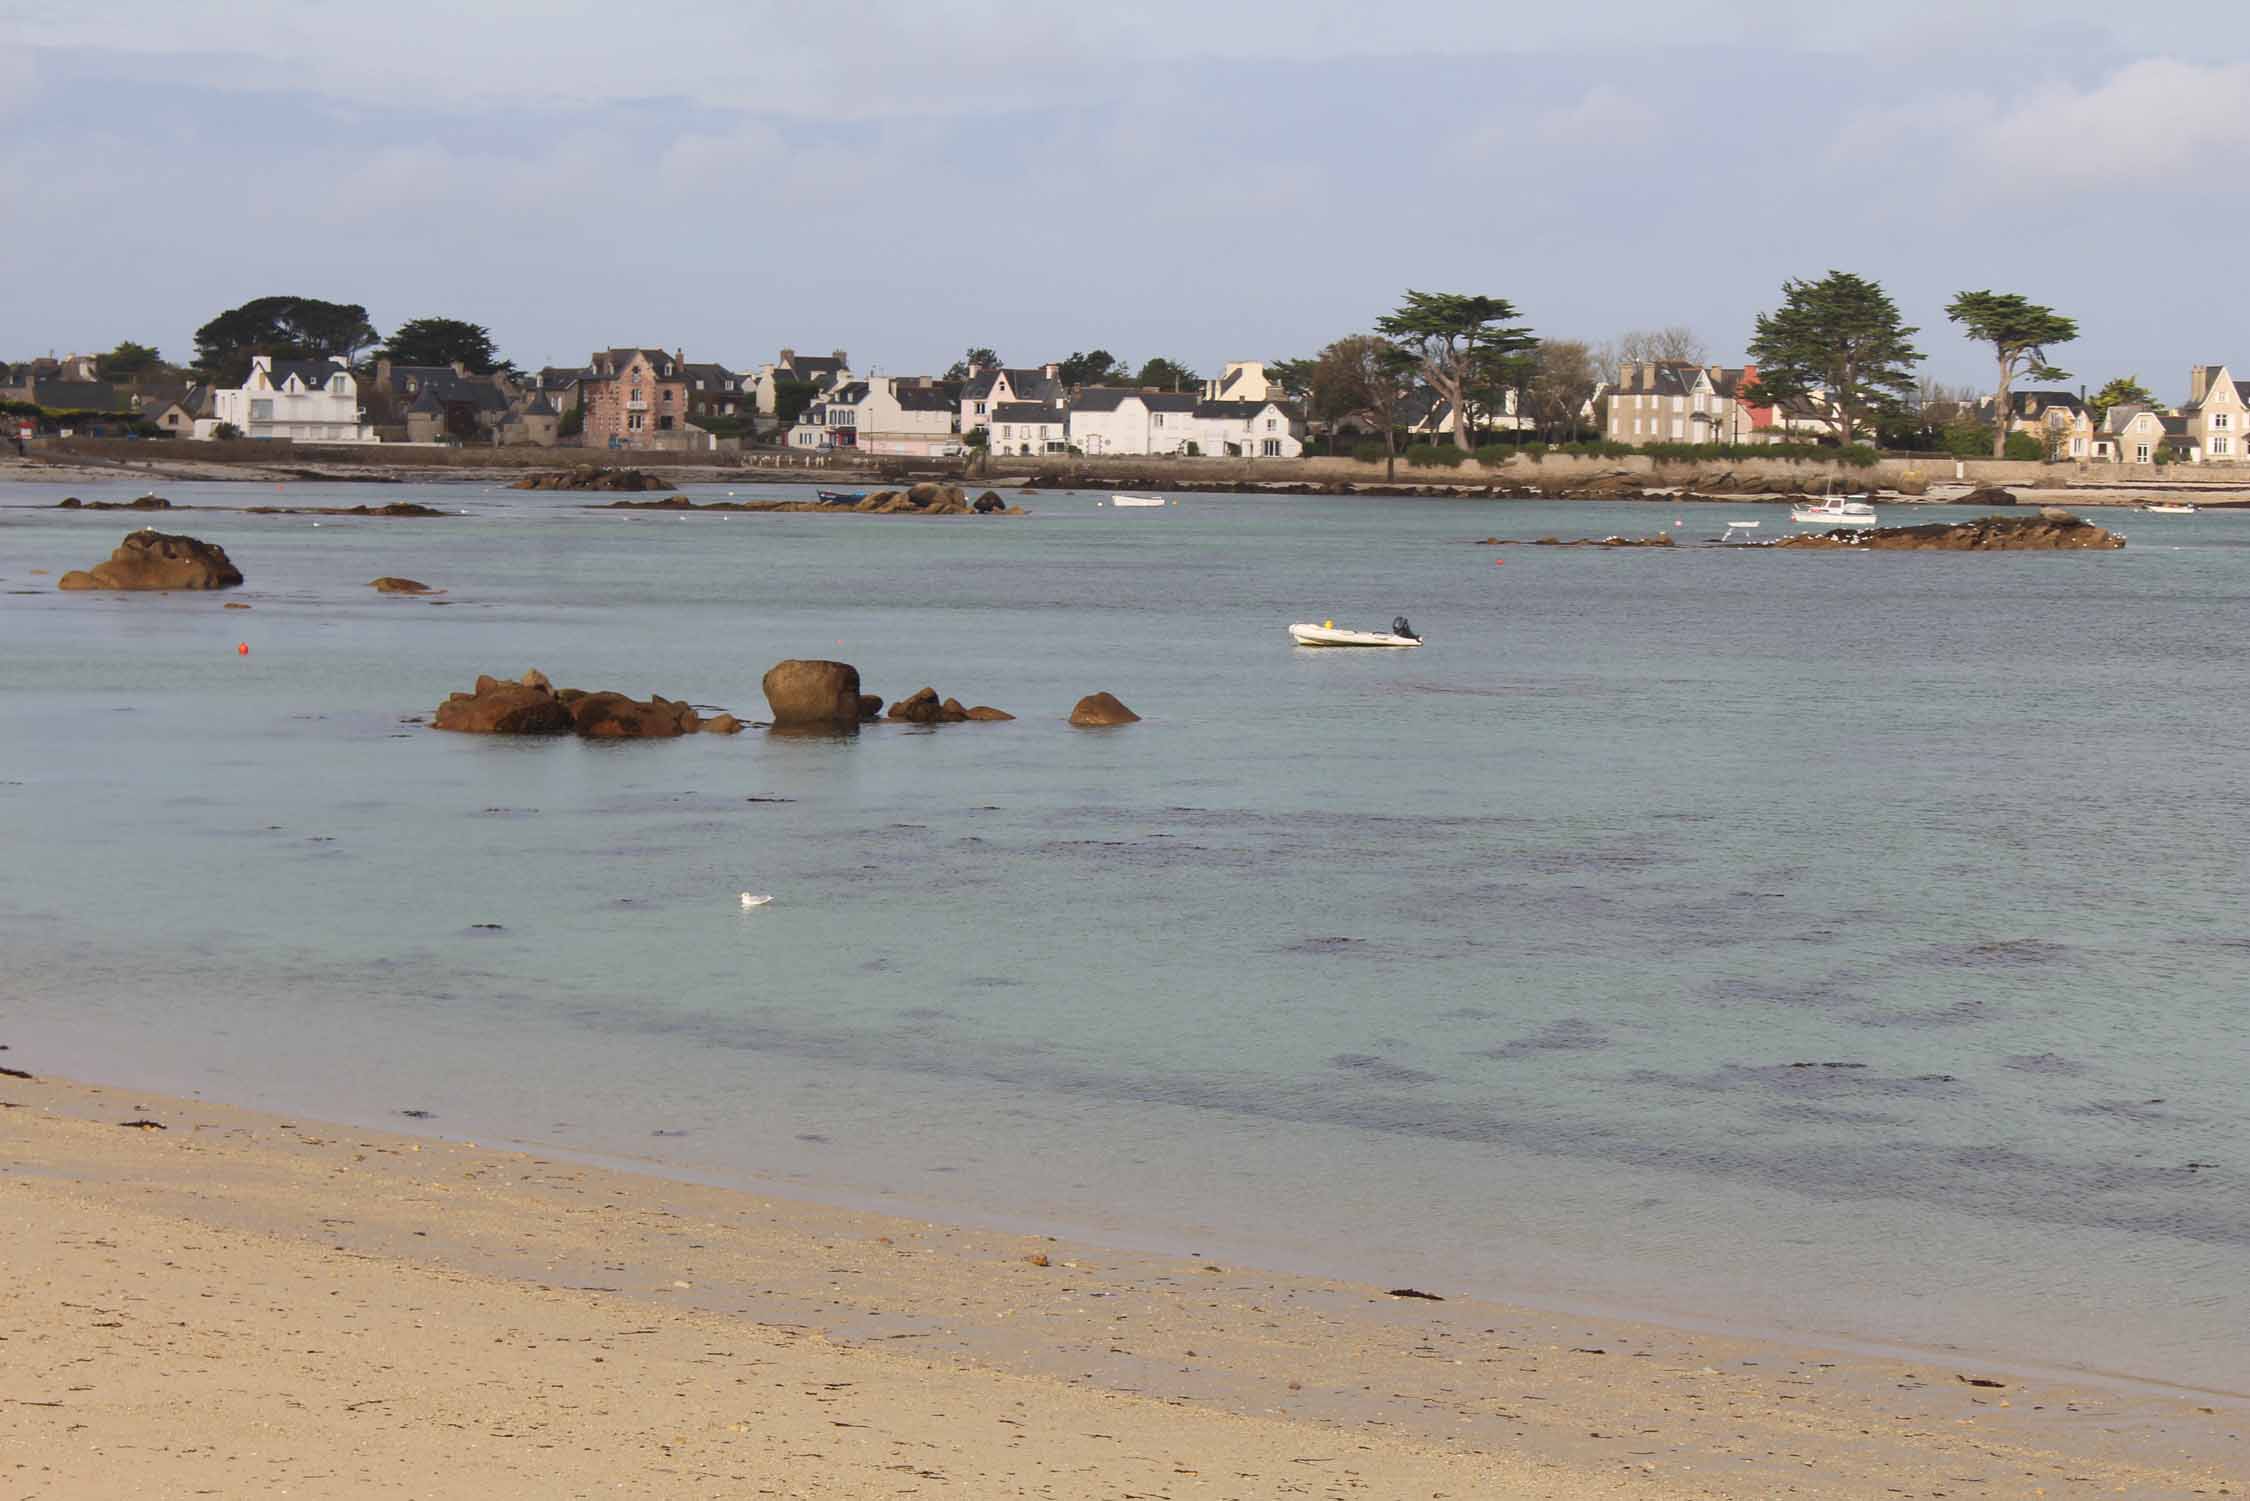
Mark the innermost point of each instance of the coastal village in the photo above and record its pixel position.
(1654, 394)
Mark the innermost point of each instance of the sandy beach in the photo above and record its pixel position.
(239, 1304)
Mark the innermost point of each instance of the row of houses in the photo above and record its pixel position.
(1028, 412)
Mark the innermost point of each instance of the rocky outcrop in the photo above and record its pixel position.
(986, 714)
(614, 716)
(593, 477)
(923, 500)
(533, 706)
(158, 560)
(1987, 495)
(497, 708)
(1100, 709)
(922, 707)
(989, 503)
(389, 585)
(805, 692)
(2049, 531)
(870, 707)
(144, 503)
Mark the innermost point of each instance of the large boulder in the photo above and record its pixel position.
(614, 716)
(1987, 495)
(987, 714)
(870, 707)
(805, 691)
(1098, 709)
(497, 708)
(989, 502)
(389, 585)
(158, 560)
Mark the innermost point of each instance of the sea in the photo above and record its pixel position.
(1846, 946)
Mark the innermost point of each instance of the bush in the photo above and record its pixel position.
(1435, 456)
(226, 432)
(1370, 452)
(573, 423)
(2025, 447)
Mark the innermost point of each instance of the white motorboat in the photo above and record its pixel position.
(1327, 634)
(1136, 500)
(2171, 508)
(1737, 533)
(1834, 511)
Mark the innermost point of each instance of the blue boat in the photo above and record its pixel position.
(841, 497)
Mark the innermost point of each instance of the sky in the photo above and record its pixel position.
(1221, 179)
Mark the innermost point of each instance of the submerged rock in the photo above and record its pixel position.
(158, 560)
(389, 585)
(593, 477)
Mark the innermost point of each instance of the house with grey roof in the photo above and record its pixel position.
(1027, 427)
(989, 387)
(298, 401)
(911, 416)
(1680, 401)
(2214, 416)
(822, 372)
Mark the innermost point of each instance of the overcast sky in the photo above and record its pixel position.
(1202, 179)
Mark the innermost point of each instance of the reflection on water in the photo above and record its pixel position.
(1821, 940)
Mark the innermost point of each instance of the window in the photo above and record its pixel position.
(1273, 447)
(1679, 403)
(2140, 453)
(1271, 424)
(980, 409)
(2218, 420)
(261, 411)
(1675, 426)
(2219, 445)
(636, 393)
(634, 421)
(1156, 419)
(667, 395)
(1007, 432)
(665, 423)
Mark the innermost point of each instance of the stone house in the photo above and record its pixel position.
(716, 391)
(1678, 401)
(635, 398)
(1242, 380)
(2135, 434)
(2216, 414)
(822, 372)
(989, 388)
(2058, 419)
(306, 401)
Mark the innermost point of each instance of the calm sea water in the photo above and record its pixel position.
(1852, 945)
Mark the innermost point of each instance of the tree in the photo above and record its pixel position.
(1362, 376)
(442, 341)
(128, 359)
(2124, 391)
(970, 363)
(1093, 368)
(288, 328)
(1562, 384)
(1163, 374)
(790, 398)
(1839, 336)
(1501, 373)
(2019, 332)
(1673, 344)
(1450, 336)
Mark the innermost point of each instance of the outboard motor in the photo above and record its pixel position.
(1399, 627)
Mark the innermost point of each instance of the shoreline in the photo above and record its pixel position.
(1242, 1373)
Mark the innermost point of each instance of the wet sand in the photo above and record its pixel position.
(241, 1304)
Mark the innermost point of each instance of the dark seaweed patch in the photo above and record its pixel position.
(1381, 1068)
(1568, 1035)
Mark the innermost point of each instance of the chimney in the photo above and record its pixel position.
(842, 358)
(1050, 369)
(788, 356)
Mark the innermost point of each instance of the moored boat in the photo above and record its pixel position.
(1834, 511)
(841, 497)
(2171, 508)
(1136, 500)
(1327, 634)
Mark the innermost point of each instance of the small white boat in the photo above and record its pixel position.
(1327, 634)
(1834, 511)
(1737, 533)
(1136, 500)
(2171, 508)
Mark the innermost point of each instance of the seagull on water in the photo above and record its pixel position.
(752, 899)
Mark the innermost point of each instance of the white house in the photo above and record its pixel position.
(881, 414)
(822, 373)
(1028, 427)
(307, 401)
(1248, 430)
(990, 388)
(1110, 419)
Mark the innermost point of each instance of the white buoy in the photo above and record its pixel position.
(752, 899)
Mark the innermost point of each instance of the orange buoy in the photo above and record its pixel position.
(242, 648)
(1496, 562)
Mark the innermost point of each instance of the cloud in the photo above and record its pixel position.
(1603, 116)
(2151, 123)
